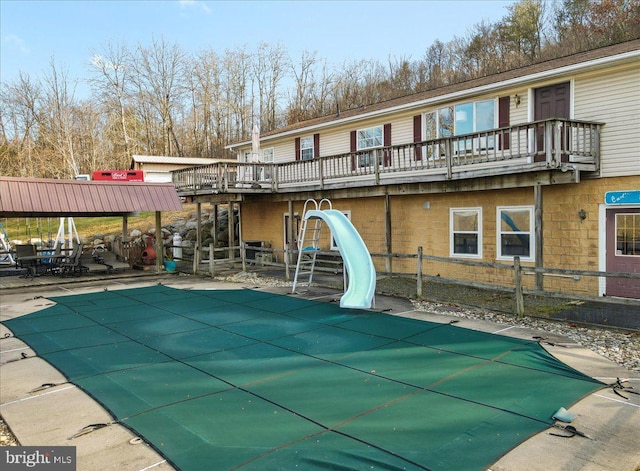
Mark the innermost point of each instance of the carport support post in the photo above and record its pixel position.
(125, 228)
(159, 248)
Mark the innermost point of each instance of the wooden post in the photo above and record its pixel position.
(232, 231)
(291, 243)
(159, 248)
(211, 264)
(419, 274)
(215, 225)
(518, 291)
(387, 235)
(539, 259)
(125, 228)
(197, 254)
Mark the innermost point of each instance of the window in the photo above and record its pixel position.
(464, 118)
(515, 232)
(267, 158)
(466, 232)
(306, 148)
(370, 138)
(628, 234)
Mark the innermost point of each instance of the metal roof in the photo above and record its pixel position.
(162, 159)
(40, 197)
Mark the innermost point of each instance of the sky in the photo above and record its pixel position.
(32, 33)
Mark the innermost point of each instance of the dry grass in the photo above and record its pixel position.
(24, 229)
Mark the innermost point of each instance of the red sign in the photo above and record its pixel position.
(119, 175)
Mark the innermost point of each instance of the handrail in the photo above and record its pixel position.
(547, 144)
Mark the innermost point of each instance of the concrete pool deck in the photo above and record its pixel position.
(52, 415)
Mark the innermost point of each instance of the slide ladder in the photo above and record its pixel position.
(307, 253)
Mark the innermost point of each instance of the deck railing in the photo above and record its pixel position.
(550, 144)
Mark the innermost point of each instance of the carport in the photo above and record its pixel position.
(40, 197)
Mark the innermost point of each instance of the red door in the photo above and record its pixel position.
(623, 251)
(550, 102)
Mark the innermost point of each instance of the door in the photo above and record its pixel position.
(623, 251)
(552, 101)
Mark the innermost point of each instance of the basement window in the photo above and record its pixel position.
(515, 232)
(466, 232)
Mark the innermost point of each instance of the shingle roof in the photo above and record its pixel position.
(34, 197)
(521, 73)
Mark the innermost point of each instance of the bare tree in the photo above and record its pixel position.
(56, 121)
(269, 67)
(110, 80)
(158, 78)
(19, 121)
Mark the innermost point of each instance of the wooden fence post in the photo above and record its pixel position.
(518, 291)
(287, 276)
(211, 257)
(419, 274)
(196, 258)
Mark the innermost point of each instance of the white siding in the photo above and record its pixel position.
(613, 98)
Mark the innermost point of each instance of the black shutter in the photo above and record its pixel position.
(386, 135)
(316, 145)
(417, 135)
(297, 148)
(354, 147)
(504, 103)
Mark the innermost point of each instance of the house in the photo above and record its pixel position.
(541, 162)
(157, 169)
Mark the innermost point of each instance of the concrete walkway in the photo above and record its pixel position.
(51, 416)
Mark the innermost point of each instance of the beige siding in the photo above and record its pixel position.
(614, 99)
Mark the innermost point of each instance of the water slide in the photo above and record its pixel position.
(356, 257)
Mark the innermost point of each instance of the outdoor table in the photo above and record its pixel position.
(33, 262)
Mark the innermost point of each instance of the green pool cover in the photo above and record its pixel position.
(244, 379)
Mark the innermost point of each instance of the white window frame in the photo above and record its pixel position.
(531, 233)
(306, 148)
(453, 232)
(267, 155)
(364, 135)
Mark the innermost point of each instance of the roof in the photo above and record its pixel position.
(161, 159)
(40, 197)
(522, 75)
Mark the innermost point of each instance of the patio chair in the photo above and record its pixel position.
(24, 250)
(72, 266)
(52, 265)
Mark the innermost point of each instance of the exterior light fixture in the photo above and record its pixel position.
(583, 215)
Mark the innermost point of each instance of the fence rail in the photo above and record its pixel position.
(516, 272)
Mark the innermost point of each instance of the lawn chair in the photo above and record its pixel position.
(52, 265)
(72, 266)
(24, 250)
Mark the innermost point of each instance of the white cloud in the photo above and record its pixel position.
(194, 4)
(17, 43)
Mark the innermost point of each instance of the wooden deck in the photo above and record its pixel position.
(565, 146)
